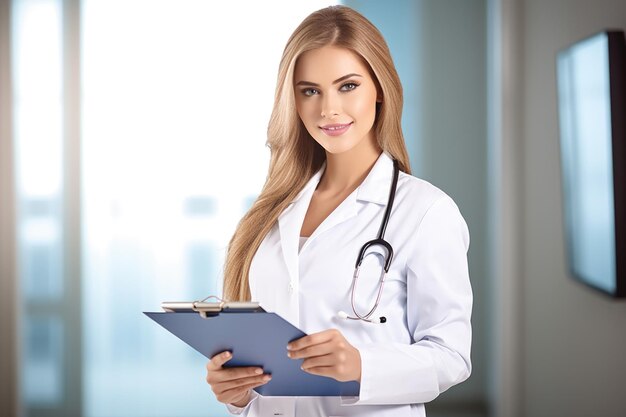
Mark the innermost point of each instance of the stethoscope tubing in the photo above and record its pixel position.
(380, 241)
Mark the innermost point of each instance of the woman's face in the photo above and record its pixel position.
(336, 98)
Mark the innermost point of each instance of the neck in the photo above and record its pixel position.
(345, 171)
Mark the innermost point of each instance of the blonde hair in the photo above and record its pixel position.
(295, 156)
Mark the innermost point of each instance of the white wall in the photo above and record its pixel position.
(573, 339)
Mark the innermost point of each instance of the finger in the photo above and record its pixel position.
(326, 360)
(313, 339)
(312, 351)
(215, 376)
(230, 395)
(328, 371)
(225, 386)
(218, 360)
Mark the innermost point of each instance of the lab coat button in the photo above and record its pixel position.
(290, 288)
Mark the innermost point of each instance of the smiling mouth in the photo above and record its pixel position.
(335, 127)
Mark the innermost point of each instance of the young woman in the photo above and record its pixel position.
(334, 135)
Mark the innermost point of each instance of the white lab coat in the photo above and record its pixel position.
(424, 347)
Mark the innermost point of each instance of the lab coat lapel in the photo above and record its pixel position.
(373, 189)
(345, 211)
(290, 223)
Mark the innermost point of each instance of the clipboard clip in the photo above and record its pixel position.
(211, 309)
(207, 310)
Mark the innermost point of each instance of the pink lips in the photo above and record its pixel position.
(335, 129)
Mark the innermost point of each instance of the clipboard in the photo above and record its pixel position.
(255, 338)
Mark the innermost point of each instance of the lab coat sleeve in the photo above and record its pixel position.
(438, 307)
(242, 411)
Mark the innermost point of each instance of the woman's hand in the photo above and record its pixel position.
(233, 385)
(327, 353)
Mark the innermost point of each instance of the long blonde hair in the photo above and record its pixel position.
(295, 156)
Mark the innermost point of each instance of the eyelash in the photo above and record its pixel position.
(305, 90)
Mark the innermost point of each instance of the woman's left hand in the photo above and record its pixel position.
(329, 354)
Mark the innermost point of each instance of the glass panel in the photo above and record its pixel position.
(38, 138)
(174, 119)
(42, 366)
(37, 54)
(41, 260)
(37, 93)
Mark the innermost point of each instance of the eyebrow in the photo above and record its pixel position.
(338, 80)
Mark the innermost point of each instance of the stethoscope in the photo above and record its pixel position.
(380, 241)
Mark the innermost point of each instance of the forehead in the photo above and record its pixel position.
(326, 64)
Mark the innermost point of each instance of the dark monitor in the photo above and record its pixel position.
(591, 97)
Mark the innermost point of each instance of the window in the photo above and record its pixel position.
(175, 105)
(38, 128)
(174, 100)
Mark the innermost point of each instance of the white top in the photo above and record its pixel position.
(424, 347)
(302, 241)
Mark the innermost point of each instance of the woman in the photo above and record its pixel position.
(334, 134)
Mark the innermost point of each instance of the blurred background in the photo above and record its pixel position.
(132, 140)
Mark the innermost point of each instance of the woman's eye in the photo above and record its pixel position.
(351, 86)
(313, 91)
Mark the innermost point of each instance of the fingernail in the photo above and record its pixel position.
(289, 347)
(267, 378)
(289, 354)
(227, 355)
(258, 371)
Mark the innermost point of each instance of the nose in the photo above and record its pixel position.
(330, 105)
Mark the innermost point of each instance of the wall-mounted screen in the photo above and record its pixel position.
(592, 112)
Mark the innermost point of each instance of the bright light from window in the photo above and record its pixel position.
(37, 93)
(37, 89)
(176, 100)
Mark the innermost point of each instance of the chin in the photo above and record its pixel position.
(337, 149)
(337, 145)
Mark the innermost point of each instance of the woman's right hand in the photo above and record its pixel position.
(233, 385)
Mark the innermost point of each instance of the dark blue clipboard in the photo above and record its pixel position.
(255, 338)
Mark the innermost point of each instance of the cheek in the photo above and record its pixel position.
(308, 116)
(363, 106)
(306, 111)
